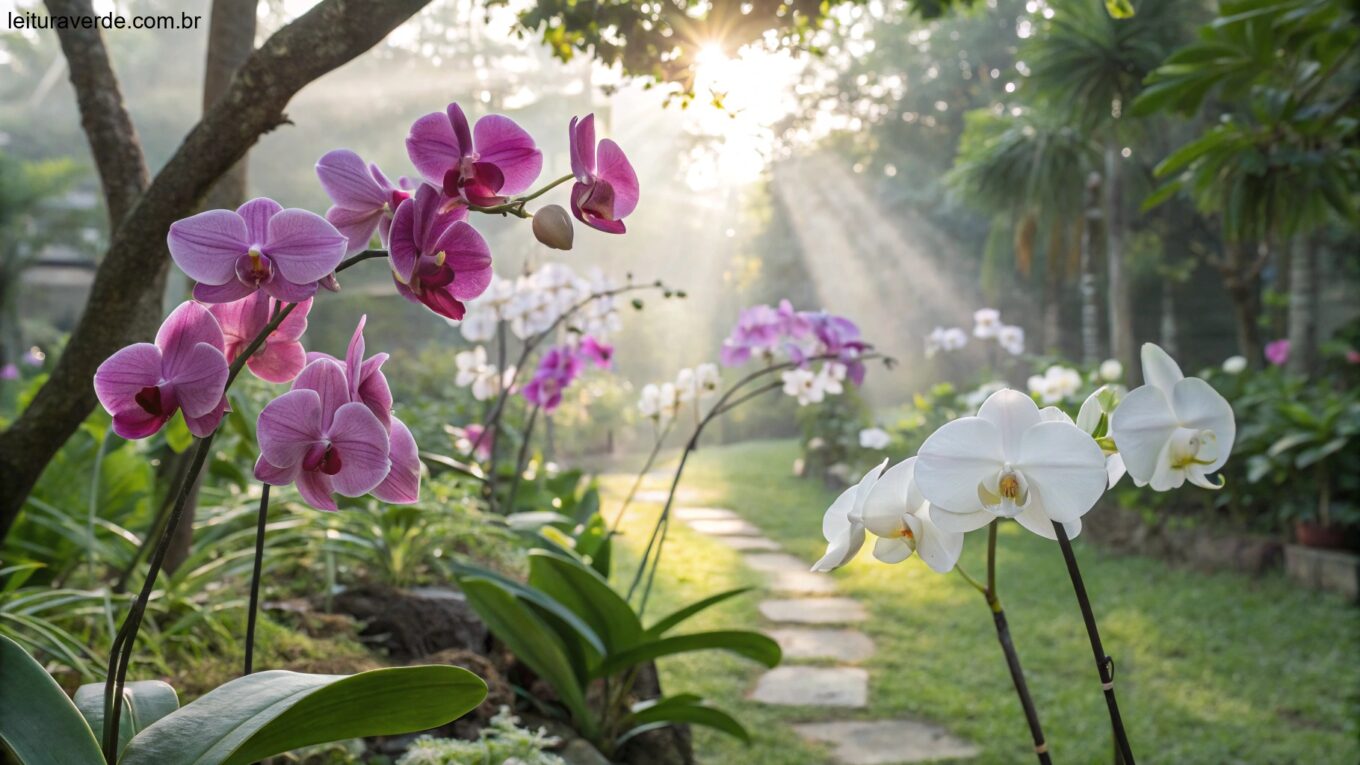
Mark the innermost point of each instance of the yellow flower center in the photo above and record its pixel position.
(1009, 486)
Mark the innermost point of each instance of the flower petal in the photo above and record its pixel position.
(134, 423)
(432, 147)
(288, 426)
(1159, 369)
(581, 135)
(278, 362)
(276, 476)
(285, 291)
(203, 425)
(1012, 412)
(305, 246)
(327, 379)
(959, 522)
(841, 549)
(362, 444)
(939, 549)
(373, 389)
(402, 484)
(1034, 519)
(357, 227)
(1141, 427)
(316, 489)
(1114, 468)
(124, 374)
(200, 379)
(206, 246)
(354, 358)
(188, 325)
(348, 182)
(1065, 467)
(890, 499)
(892, 549)
(503, 143)
(618, 172)
(257, 213)
(955, 459)
(1197, 405)
(229, 292)
(403, 248)
(467, 253)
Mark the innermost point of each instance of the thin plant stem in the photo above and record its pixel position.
(255, 579)
(181, 468)
(522, 459)
(637, 482)
(516, 206)
(1104, 662)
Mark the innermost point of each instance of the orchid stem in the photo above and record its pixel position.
(522, 459)
(1104, 662)
(637, 482)
(255, 579)
(515, 206)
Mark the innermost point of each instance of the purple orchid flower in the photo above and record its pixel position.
(758, 328)
(482, 166)
(9, 371)
(839, 336)
(144, 384)
(606, 189)
(260, 245)
(316, 437)
(281, 356)
(556, 371)
(598, 353)
(437, 259)
(365, 200)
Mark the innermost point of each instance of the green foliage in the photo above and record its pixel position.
(144, 702)
(573, 631)
(502, 742)
(38, 724)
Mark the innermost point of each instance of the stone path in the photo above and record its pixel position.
(821, 651)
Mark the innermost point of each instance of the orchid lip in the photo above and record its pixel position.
(149, 399)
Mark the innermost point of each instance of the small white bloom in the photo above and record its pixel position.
(1174, 429)
(649, 403)
(1111, 370)
(1057, 383)
(686, 385)
(1010, 461)
(986, 323)
(843, 524)
(874, 438)
(982, 393)
(469, 365)
(804, 385)
(1012, 339)
(898, 514)
(831, 378)
(1235, 365)
(707, 378)
(945, 339)
(1096, 409)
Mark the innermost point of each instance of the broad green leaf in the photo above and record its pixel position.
(38, 724)
(593, 540)
(1288, 442)
(532, 641)
(535, 598)
(533, 520)
(144, 702)
(1308, 457)
(687, 709)
(752, 645)
(1119, 9)
(177, 435)
(671, 620)
(268, 713)
(581, 589)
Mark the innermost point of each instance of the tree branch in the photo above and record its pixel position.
(124, 302)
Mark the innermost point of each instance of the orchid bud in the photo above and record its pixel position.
(552, 227)
(330, 282)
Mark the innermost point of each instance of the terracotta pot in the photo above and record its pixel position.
(1316, 535)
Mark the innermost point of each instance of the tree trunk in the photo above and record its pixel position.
(231, 40)
(125, 300)
(1090, 294)
(1243, 285)
(1169, 332)
(1120, 290)
(1303, 306)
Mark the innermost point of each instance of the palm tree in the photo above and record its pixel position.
(1089, 65)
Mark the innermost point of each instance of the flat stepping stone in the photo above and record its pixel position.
(813, 687)
(838, 645)
(802, 583)
(652, 496)
(704, 514)
(779, 563)
(813, 611)
(745, 544)
(732, 527)
(886, 742)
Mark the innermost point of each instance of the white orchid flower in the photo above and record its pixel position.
(1111, 370)
(1235, 365)
(707, 378)
(874, 438)
(899, 516)
(1174, 429)
(1095, 410)
(469, 365)
(986, 323)
(1011, 461)
(1012, 339)
(804, 385)
(686, 385)
(649, 403)
(843, 524)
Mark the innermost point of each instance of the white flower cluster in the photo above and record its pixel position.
(663, 402)
(1057, 384)
(533, 303)
(812, 387)
(476, 372)
(946, 339)
(877, 439)
(987, 326)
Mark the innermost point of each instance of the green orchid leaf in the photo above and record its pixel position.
(581, 589)
(38, 724)
(268, 713)
(682, 709)
(752, 645)
(144, 702)
(673, 619)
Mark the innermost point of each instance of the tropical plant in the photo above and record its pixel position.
(502, 742)
(570, 628)
(245, 720)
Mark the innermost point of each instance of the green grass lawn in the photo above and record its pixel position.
(1210, 668)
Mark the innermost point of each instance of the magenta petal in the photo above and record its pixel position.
(257, 213)
(288, 426)
(304, 246)
(292, 327)
(404, 251)
(362, 443)
(205, 246)
(124, 374)
(316, 489)
(356, 226)
(327, 379)
(199, 376)
(348, 182)
(188, 325)
(466, 252)
(615, 168)
(432, 147)
(285, 291)
(276, 476)
(203, 425)
(223, 293)
(278, 362)
(459, 122)
(354, 358)
(241, 320)
(374, 391)
(581, 135)
(509, 147)
(402, 484)
(135, 423)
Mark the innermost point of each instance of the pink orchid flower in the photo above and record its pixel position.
(598, 353)
(260, 245)
(144, 384)
(606, 189)
(364, 199)
(437, 259)
(281, 356)
(483, 166)
(316, 437)
(557, 370)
